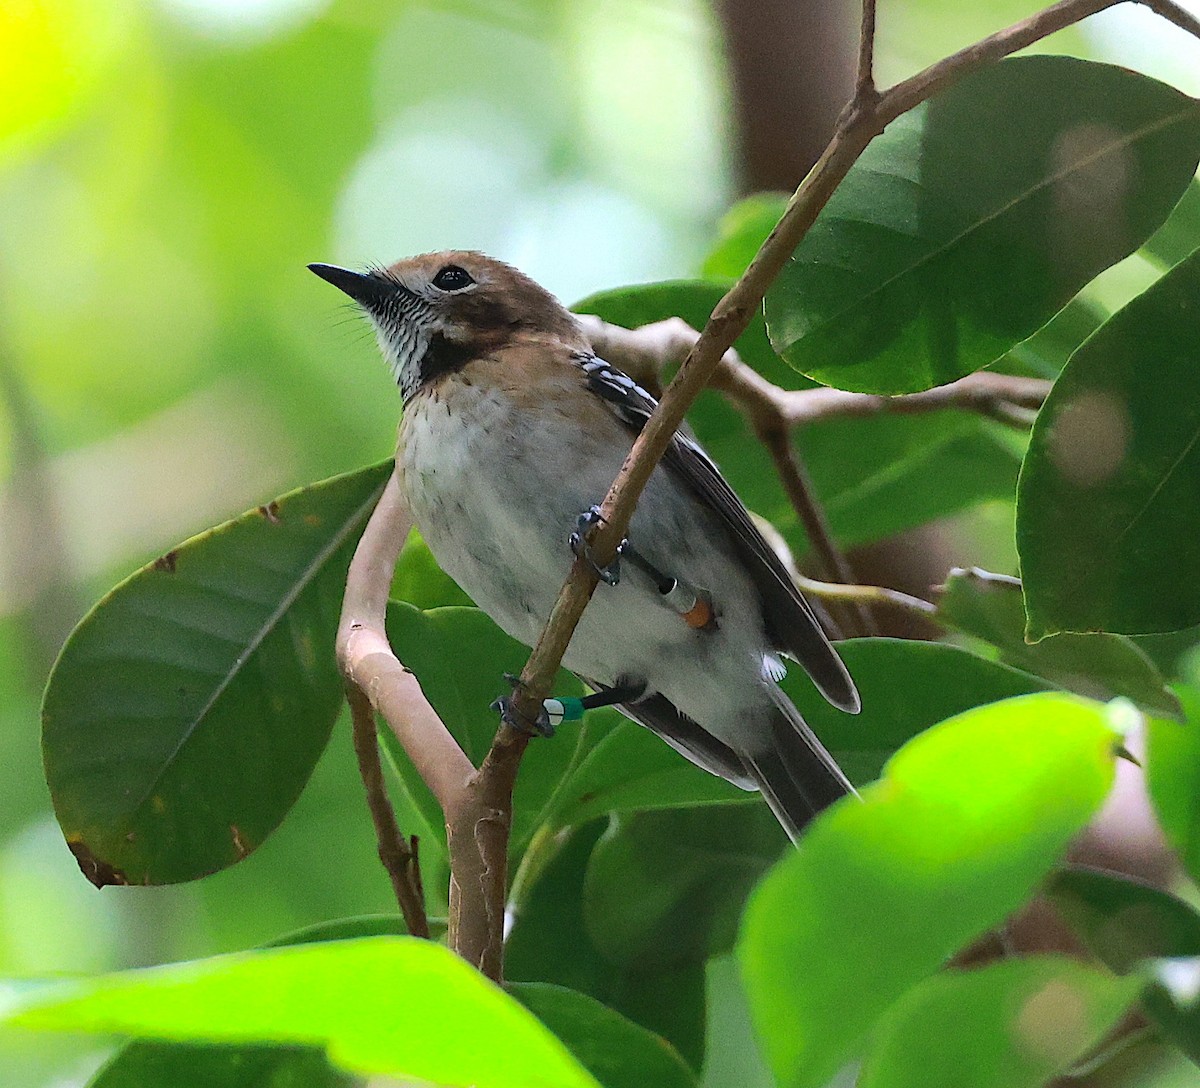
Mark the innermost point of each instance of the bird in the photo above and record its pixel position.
(511, 429)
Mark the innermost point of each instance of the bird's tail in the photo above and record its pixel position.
(797, 776)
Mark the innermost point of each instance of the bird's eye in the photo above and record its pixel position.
(452, 278)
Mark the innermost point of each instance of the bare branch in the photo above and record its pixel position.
(1173, 13)
(399, 857)
(368, 661)
(865, 86)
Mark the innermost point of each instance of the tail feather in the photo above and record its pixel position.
(797, 776)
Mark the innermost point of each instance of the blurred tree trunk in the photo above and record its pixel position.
(791, 65)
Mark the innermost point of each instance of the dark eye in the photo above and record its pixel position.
(452, 278)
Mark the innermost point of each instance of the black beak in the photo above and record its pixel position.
(366, 289)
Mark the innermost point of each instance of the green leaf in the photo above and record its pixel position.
(968, 818)
(742, 231)
(188, 708)
(1099, 666)
(1180, 234)
(1171, 1001)
(665, 888)
(194, 1065)
(1108, 504)
(419, 580)
(940, 251)
(388, 1006)
(1173, 778)
(1046, 352)
(1124, 921)
(615, 1050)
(550, 943)
(906, 686)
(1007, 1025)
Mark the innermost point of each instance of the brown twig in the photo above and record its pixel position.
(831, 562)
(877, 595)
(399, 857)
(1173, 13)
(865, 84)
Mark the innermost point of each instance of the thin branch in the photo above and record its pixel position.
(877, 595)
(1173, 13)
(865, 86)
(399, 857)
(831, 561)
(368, 661)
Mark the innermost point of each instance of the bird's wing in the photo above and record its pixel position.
(790, 622)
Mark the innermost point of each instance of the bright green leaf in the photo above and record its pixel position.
(615, 1050)
(1173, 778)
(1099, 666)
(968, 818)
(389, 1006)
(1007, 1025)
(941, 250)
(1108, 504)
(188, 708)
(419, 580)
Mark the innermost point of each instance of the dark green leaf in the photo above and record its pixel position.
(391, 1006)
(192, 1065)
(188, 708)
(1173, 778)
(1180, 234)
(967, 820)
(1007, 1025)
(616, 1051)
(941, 250)
(743, 230)
(419, 580)
(1108, 505)
(665, 888)
(550, 943)
(906, 686)
(1046, 352)
(1100, 666)
(1124, 921)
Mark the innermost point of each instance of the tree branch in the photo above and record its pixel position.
(399, 857)
(865, 86)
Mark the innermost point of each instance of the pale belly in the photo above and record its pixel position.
(496, 500)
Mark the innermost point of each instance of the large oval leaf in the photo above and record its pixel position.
(188, 708)
(967, 819)
(976, 216)
(1108, 504)
(388, 1006)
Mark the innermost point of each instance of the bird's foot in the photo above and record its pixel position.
(610, 575)
(544, 725)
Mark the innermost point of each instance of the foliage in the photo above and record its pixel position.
(189, 708)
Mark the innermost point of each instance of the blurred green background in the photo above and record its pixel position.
(167, 168)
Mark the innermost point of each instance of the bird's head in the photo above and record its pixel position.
(434, 313)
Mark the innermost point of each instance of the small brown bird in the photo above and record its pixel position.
(512, 429)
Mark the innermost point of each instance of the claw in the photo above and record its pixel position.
(609, 575)
(509, 715)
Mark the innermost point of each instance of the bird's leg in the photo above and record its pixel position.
(569, 708)
(609, 575)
